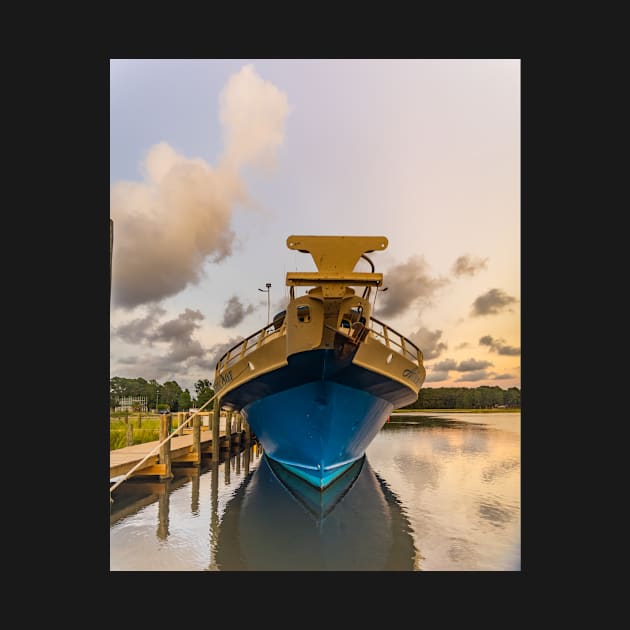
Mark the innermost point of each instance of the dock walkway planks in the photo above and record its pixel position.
(122, 460)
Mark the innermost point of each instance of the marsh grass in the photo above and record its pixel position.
(149, 432)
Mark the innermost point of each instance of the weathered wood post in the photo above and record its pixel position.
(126, 416)
(226, 471)
(129, 434)
(214, 512)
(140, 421)
(165, 449)
(248, 432)
(228, 427)
(163, 508)
(238, 464)
(197, 438)
(239, 422)
(194, 498)
(216, 423)
(246, 454)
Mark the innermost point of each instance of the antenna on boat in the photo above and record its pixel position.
(375, 294)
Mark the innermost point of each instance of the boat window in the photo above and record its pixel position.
(345, 323)
(304, 313)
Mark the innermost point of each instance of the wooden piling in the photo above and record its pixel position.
(239, 422)
(197, 438)
(228, 427)
(163, 509)
(238, 464)
(214, 510)
(216, 423)
(246, 454)
(226, 471)
(248, 432)
(165, 449)
(130, 435)
(194, 498)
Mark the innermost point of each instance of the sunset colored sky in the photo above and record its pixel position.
(214, 163)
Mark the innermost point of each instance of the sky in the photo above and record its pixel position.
(214, 163)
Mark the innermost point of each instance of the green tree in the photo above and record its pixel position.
(204, 395)
(201, 384)
(170, 395)
(184, 401)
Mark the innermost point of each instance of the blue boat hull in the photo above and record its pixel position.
(318, 414)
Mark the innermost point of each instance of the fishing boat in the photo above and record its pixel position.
(318, 382)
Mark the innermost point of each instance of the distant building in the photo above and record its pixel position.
(127, 403)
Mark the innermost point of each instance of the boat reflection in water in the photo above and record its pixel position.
(277, 521)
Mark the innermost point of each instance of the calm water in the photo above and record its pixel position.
(442, 494)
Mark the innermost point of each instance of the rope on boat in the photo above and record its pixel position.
(170, 436)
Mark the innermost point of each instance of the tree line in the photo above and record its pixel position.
(171, 396)
(168, 396)
(482, 397)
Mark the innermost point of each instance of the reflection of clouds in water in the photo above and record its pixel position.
(495, 513)
(499, 469)
(442, 444)
(459, 482)
(426, 474)
(475, 442)
(464, 440)
(462, 551)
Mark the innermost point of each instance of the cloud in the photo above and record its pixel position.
(167, 226)
(468, 265)
(445, 365)
(135, 331)
(502, 377)
(433, 377)
(498, 346)
(477, 375)
(179, 330)
(219, 349)
(183, 354)
(252, 112)
(279, 305)
(473, 370)
(406, 283)
(464, 344)
(429, 342)
(491, 303)
(470, 365)
(129, 360)
(234, 312)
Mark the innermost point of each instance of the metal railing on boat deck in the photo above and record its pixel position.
(378, 331)
(249, 344)
(394, 340)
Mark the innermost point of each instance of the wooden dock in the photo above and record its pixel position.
(188, 447)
